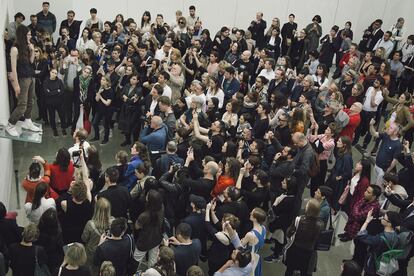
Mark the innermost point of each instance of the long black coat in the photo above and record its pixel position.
(130, 109)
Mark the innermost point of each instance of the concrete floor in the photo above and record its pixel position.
(328, 262)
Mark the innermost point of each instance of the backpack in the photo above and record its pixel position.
(387, 263)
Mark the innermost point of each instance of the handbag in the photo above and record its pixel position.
(324, 241)
(342, 199)
(290, 240)
(40, 270)
(132, 265)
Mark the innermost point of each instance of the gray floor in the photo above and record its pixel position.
(328, 262)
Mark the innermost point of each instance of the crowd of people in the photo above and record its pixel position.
(226, 131)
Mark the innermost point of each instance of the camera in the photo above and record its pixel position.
(176, 166)
(77, 153)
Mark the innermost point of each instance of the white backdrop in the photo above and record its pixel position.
(239, 13)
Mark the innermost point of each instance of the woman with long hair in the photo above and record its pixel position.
(83, 91)
(41, 68)
(145, 22)
(273, 42)
(94, 228)
(215, 91)
(103, 98)
(50, 237)
(342, 171)
(283, 210)
(230, 116)
(321, 81)
(297, 121)
(22, 79)
(165, 265)
(231, 172)
(206, 43)
(358, 184)
(130, 109)
(40, 204)
(83, 39)
(61, 171)
(94, 164)
(149, 228)
(324, 145)
(212, 111)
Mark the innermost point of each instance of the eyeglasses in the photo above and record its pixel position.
(36, 51)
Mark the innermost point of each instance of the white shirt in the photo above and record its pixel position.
(354, 183)
(75, 147)
(367, 102)
(269, 75)
(407, 51)
(167, 91)
(153, 106)
(219, 95)
(387, 45)
(34, 215)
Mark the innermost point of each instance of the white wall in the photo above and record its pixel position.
(239, 13)
(6, 150)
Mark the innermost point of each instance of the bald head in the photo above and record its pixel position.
(299, 139)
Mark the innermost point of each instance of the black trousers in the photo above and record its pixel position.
(68, 106)
(363, 128)
(104, 115)
(52, 109)
(319, 179)
(40, 100)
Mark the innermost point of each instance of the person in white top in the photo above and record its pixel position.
(407, 48)
(163, 77)
(230, 116)
(397, 31)
(268, 71)
(83, 40)
(386, 43)
(214, 91)
(164, 53)
(79, 136)
(191, 20)
(40, 204)
(373, 98)
(197, 90)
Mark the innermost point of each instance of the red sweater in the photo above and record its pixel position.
(345, 58)
(30, 185)
(354, 121)
(222, 183)
(60, 180)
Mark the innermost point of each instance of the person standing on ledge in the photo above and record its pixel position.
(22, 79)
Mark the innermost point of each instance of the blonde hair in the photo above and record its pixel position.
(102, 214)
(107, 269)
(30, 233)
(76, 255)
(122, 157)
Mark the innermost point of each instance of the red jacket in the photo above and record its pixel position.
(30, 185)
(222, 183)
(358, 215)
(345, 58)
(60, 180)
(354, 121)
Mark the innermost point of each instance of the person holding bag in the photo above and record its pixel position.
(306, 231)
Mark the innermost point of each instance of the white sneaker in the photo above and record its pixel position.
(28, 124)
(12, 130)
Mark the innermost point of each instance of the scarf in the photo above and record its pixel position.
(83, 85)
